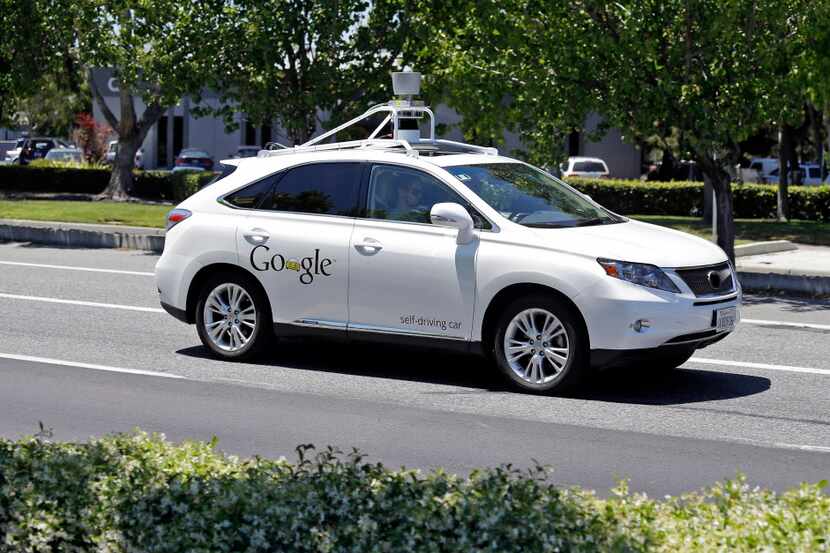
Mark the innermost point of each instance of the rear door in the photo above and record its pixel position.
(296, 242)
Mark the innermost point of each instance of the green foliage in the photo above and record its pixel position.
(285, 60)
(140, 493)
(38, 81)
(79, 178)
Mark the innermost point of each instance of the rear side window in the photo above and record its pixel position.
(325, 188)
(815, 172)
(251, 196)
(223, 171)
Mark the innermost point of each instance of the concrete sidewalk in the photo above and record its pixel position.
(805, 270)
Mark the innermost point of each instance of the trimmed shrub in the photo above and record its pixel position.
(64, 179)
(750, 201)
(651, 198)
(140, 493)
(50, 177)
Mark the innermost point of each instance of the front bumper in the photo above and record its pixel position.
(613, 307)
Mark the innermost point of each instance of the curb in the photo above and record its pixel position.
(814, 285)
(80, 235)
(759, 248)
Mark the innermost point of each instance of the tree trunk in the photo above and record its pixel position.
(121, 179)
(783, 171)
(726, 225)
(722, 186)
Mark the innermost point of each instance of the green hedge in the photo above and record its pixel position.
(140, 493)
(751, 201)
(161, 185)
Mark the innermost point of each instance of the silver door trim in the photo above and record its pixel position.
(315, 323)
(395, 331)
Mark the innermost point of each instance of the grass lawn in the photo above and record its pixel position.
(141, 215)
(750, 230)
(119, 213)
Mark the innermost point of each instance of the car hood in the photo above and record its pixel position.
(636, 242)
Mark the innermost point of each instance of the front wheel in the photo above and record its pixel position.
(232, 317)
(540, 345)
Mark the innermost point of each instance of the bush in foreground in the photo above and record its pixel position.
(140, 493)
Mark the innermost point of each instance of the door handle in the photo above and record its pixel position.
(368, 246)
(256, 236)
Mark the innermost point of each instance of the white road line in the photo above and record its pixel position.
(764, 366)
(84, 303)
(71, 268)
(761, 322)
(49, 361)
(819, 448)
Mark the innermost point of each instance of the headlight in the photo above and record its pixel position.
(649, 276)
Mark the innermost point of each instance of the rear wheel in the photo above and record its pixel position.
(540, 346)
(232, 316)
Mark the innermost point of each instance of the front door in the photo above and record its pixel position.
(297, 243)
(408, 276)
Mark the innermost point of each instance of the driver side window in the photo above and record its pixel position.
(403, 194)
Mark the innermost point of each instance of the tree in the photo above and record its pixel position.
(38, 77)
(491, 62)
(815, 63)
(701, 67)
(290, 60)
(160, 51)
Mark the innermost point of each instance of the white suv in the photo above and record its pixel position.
(429, 241)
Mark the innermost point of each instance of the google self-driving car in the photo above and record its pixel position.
(414, 240)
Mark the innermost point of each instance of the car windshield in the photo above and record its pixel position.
(531, 197)
(589, 167)
(194, 153)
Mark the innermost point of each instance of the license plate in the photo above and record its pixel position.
(726, 318)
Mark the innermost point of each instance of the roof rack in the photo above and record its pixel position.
(403, 114)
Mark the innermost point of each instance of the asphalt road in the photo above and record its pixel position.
(89, 352)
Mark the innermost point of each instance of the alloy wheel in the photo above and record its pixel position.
(230, 317)
(536, 346)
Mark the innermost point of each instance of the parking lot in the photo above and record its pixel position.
(86, 349)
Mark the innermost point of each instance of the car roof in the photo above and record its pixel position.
(251, 168)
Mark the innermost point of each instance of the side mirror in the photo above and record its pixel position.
(453, 215)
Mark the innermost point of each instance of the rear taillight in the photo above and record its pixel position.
(179, 161)
(176, 216)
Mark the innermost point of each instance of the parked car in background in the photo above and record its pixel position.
(65, 155)
(13, 155)
(193, 159)
(245, 151)
(37, 148)
(764, 166)
(586, 167)
(810, 173)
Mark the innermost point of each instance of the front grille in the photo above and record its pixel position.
(701, 283)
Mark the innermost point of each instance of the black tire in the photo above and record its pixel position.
(263, 331)
(575, 369)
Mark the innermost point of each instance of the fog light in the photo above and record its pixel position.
(640, 324)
